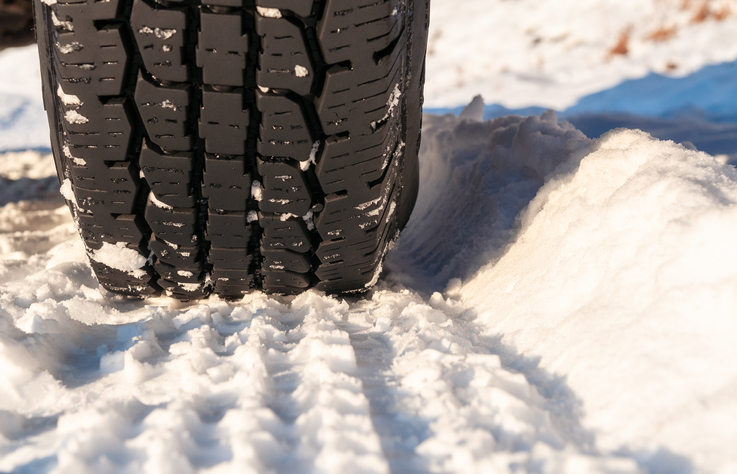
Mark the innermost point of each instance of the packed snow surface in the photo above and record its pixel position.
(557, 304)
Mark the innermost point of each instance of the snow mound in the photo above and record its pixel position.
(624, 278)
(476, 177)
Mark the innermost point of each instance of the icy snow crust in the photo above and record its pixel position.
(589, 328)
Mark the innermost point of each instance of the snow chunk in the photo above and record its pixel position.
(157, 203)
(121, 258)
(269, 12)
(69, 48)
(300, 71)
(308, 218)
(167, 104)
(68, 153)
(67, 25)
(392, 103)
(257, 191)
(161, 33)
(66, 190)
(74, 117)
(68, 99)
(252, 216)
(305, 165)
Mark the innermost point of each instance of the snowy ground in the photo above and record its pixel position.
(557, 303)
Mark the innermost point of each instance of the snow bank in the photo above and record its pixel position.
(624, 277)
(476, 177)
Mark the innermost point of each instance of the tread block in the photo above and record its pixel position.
(285, 260)
(97, 131)
(283, 131)
(227, 185)
(282, 233)
(121, 282)
(359, 211)
(104, 227)
(346, 160)
(222, 48)
(161, 35)
(230, 283)
(302, 8)
(164, 111)
(177, 225)
(90, 61)
(284, 61)
(224, 122)
(175, 255)
(353, 30)
(230, 259)
(183, 290)
(357, 101)
(117, 177)
(112, 190)
(178, 274)
(229, 230)
(285, 282)
(285, 188)
(169, 176)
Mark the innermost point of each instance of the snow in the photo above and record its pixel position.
(637, 234)
(74, 117)
(120, 257)
(552, 53)
(305, 165)
(559, 302)
(161, 33)
(269, 12)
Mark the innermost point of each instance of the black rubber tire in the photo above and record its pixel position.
(236, 145)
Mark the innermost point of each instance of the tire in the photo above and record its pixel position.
(231, 147)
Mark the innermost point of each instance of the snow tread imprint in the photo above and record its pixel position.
(234, 144)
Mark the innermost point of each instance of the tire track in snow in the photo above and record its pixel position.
(390, 382)
(444, 403)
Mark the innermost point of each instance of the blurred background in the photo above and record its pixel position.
(16, 23)
(664, 66)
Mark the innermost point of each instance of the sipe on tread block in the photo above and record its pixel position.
(236, 146)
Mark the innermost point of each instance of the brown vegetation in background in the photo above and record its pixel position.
(705, 12)
(722, 14)
(702, 13)
(622, 48)
(662, 34)
(16, 23)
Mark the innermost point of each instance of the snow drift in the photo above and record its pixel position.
(623, 277)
